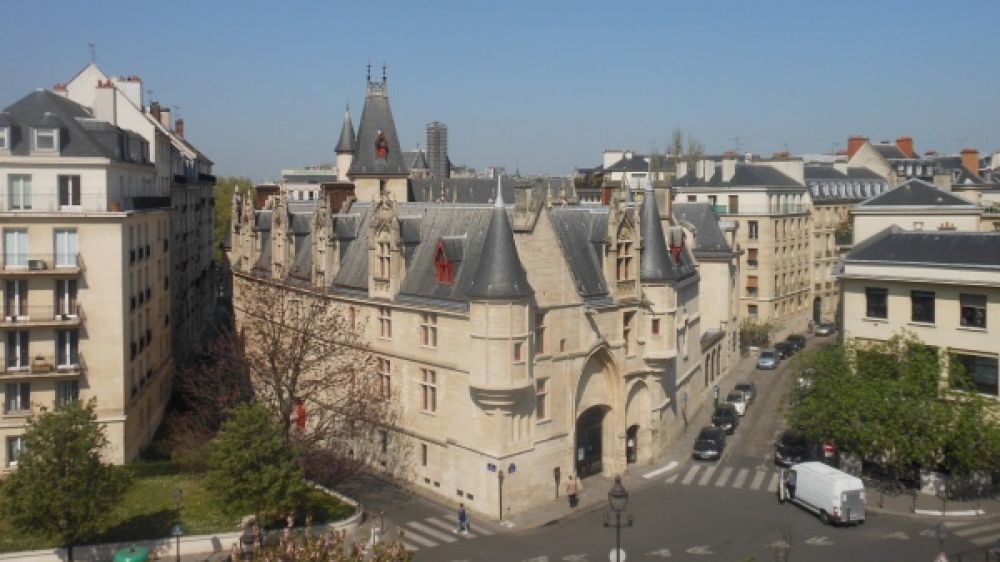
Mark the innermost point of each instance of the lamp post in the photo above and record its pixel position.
(178, 531)
(618, 501)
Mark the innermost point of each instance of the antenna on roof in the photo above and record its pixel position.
(384, 67)
(369, 66)
(498, 202)
(93, 52)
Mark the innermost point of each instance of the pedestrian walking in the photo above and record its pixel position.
(463, 520)
(572, 489)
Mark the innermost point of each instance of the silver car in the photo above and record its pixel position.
(825, 329)
(768, 359)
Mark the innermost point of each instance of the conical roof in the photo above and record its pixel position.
(377, 127)
(347, 141)
(420, 162)
(655, 262)
(500, 274)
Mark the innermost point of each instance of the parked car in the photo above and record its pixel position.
(837, 497)
(784, 349)
(710, 443)
(726, 417)
(792, 447)
(825, 329)
(797, 340)
(738, 399)
(749, 389)
(768, 359)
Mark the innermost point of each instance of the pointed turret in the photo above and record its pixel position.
(500, 274)
(655, 263)
(347, 142)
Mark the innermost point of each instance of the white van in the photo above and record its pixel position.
(837, 497)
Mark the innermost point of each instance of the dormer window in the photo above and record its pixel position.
(45, 140)
(445, 268)
(5, 138)
(623, 260)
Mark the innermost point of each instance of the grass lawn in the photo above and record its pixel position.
(147, 512)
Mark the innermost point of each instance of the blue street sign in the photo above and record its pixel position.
(511, 468)
(491, 467)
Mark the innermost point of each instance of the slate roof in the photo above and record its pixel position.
(916, 193)
(655, 263)
(581, 232)
(978, 250)
(890, 151)
(635, 164)
(500, 274)
(477, 190)
(347, 141)
(708, 234)
(80, 134)
(376, 116)
(746, 175)
(828, 184)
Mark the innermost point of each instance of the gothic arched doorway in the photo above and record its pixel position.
(589, 441)
(631, 443)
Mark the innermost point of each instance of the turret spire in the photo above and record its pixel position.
(654, 263)
(498, 202)
(500, 274)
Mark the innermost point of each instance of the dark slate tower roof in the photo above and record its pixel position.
(655, 262)
(500, 274)
(346, 144)
(377, 117)
(420, 162)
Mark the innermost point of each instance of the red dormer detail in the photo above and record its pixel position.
(444, 266)
(677, 244)
(381, 146)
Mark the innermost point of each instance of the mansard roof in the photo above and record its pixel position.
(916, 193)
(481, 190)
(708, 233)
(745, 175)
(376, 117)
(890, 151)
(895, 246)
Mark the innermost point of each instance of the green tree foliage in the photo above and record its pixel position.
(251, 465)
(756, 334)
(62, 487)
(330, 548)
(225, 187)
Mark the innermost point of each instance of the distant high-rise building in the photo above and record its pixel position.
(437, 149)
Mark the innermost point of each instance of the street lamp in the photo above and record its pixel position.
(618, 501)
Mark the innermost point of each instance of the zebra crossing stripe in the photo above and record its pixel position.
(691, 474)
(429, 531)
(773, 486)
(977, 530)
(673, 478)
(758, 479)
(418, 539)
(409, 546)
(951, 524)
(707, 475)
(449, 527)
(741, 477)
(983, 541)
(724, 477)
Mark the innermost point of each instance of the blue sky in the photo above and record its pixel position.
(542, 86)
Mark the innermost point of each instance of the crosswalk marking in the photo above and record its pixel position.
(707, 475)
(429, 531)
(773, 486)
(981, 541)
(977, 530)
(758, 479)
(419, 540)
(951, 524)
(449, 527)
(741, 477)
(409, 546)
(673, 478)
(691, 474)
(726, 472)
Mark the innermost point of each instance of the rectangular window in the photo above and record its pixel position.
(15, 248)
(15, 302)
(384, 257)
(518, 352)
(734, 204)
(624, 260)
(655, 327)
(753, 230)
(66, 297)
(922, 306)
(4, 138)
(752, 258)
(69, 191)
(423, 454)
(752, 311)
(428, 329)
(67, 348)
(973, 310)
(692, 198)
(428, 387)
(627, 324)
(46, 140)
(978, 371)
(18, 192)
(384, 377)
(540, 333)
(17, 397)
(876, 302)
(14, 447)
(17, 350)
(385, 322)
(66, 248)
(67, 392)
(541, 394)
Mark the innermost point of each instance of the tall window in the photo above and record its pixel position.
(384, 254)
(428, 329)
(734, 204)
(752, 285)
(66, 297)
(973, 310)
(17, 350)
(541, 396)
(17, 397)
(876, 302)
(624, 260)
(752, 311)
(67, 348)
(922, 306)
(18, 191)
(655, 327)
(385, 322)
(540, 333)
(14, 447)
(69, 191)
(66, 248)
(15, 302)
(15, 248)
(428, 390)
(518, 351)
(67, 392)
(753, 230)
(628, 318)
(423, 454)
(384, 378)
(752, 258)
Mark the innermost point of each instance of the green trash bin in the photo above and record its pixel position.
(133, 554)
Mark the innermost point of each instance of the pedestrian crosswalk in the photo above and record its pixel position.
(753, 479)
(981, 535)
(430, 532)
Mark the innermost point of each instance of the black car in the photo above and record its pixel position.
(748, 388)
(792, 448)
(725, 417)
(797, 340)
(710, 443)
(784, 349)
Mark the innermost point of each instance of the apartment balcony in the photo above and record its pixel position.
(44, 265)
(50, 201)
(761, 210)
(42, 316)
(44, 366)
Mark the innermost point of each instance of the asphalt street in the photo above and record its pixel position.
(725, 510)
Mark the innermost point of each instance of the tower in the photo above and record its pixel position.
(437, 149)
(377, 167)
(345, 146)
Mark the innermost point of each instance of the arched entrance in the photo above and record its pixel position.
(631, 443)
(590, 441)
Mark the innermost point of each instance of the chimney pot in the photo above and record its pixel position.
(905, 145)
(179, 127)
(854, 143)
(970, 160)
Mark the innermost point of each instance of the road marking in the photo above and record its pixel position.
(726, 472)
(758, 479)
(449, 527)
(429, 531)
(659, 471)
(575, 558)
(691, 474)
(703, 550)
(897, 535)
(707, 475)
(418, 539)
(741, 477)
(977, 530)
(661, 553)
(409, 546)
(819, 541)
(673, 478)
(773, 486)
(986, 540)
(951, 524)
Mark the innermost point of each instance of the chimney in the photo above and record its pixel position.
(179, 127)
(165, 118)
(905, 145)
(970, 160)
(728, 166)
(854, 142)
(61, 89)
(106, 102)
(154, 110)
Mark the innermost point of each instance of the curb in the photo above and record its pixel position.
(925, 513)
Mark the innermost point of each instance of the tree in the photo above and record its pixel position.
(329, 548)
(252, 467)
(695, 150)
(61, 486)
(225, 187)
(676, 148)
(755, 333)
